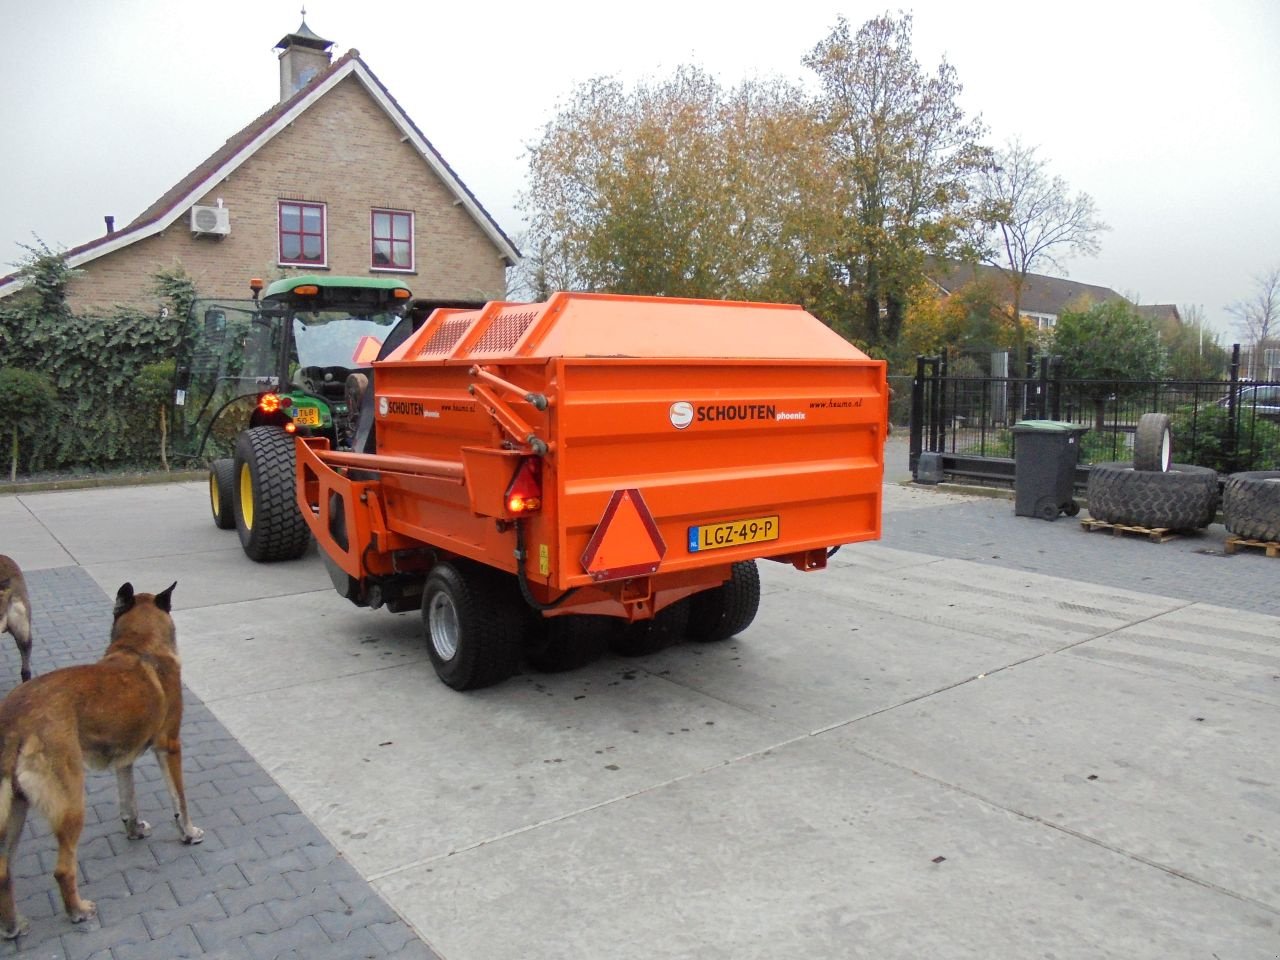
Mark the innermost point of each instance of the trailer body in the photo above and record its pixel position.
(602, 454)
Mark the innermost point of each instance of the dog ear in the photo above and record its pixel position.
(164, 599)
(124, 599)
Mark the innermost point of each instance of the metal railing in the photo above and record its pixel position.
(962, 423)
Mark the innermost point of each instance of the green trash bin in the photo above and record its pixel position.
(1044, 467)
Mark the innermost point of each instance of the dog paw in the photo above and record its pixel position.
(20, 926)
(137, 829)
(86, 910)
(192, 835)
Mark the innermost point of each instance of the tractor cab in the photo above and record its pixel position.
(285, 357)
(314, 335)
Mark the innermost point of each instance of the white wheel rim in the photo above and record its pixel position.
(1166, 450)
(442, 625)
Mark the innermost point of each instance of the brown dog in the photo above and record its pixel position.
(15, 610)
(99, 715)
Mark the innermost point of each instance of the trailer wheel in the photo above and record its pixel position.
(556, 644)
(643, 637)
(1251, 505)
(472, 625)
(726, 610)
(266, 506)
(1184, 498)
(1153, 443)
(222, 473)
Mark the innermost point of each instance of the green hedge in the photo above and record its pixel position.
(107, 414)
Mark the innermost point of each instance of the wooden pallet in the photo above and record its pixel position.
(1154, 534)
(1232, 541)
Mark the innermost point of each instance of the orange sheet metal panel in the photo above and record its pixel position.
(748, 430)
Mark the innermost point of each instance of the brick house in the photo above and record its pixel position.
(334, 177)
(1043, 299)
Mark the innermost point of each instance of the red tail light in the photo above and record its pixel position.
(524, 495)
(269, 403)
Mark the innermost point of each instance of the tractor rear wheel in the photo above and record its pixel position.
(222, 474)
(726, 610)
(566, 642)
(266, 507)
(473, 625)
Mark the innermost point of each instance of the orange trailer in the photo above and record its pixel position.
(542, 479)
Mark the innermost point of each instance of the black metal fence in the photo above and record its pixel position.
(962, 423)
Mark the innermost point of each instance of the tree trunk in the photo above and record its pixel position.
(13, 460)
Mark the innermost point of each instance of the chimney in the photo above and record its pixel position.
(111, 224)
(303, 56)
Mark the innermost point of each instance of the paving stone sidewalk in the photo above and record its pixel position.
(1192, 566)
(264, 884)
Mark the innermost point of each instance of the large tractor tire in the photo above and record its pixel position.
(643, 637)
(473, 625)
(1251, 505)
(726, 610)
(556, 644)
(222, 482)
(1183, 498)
(1153, 443)
(266, 506)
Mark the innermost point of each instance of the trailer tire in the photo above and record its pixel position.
(1251, 505)
(1153, 443)
(1184, 498)
(222, 473)
(472, 625)
(266, 508)
(557, 644)
(726, 610)
(643, 637)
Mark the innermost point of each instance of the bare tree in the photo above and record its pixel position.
(1259, 316)
(1028, 218)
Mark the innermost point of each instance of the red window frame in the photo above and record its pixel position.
(390, 239)
(299, 232)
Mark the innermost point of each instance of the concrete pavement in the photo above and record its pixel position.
(985, 736)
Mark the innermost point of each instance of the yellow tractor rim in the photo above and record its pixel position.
(246, 496)
(213, 495)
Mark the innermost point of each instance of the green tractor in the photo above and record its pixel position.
(293, 361)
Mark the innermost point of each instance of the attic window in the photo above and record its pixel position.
(302, 232)
(391, 239)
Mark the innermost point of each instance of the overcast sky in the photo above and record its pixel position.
(1168, 113)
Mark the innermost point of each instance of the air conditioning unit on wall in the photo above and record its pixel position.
(210, 221)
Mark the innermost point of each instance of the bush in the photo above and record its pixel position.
(1203, 437)
(27, 398)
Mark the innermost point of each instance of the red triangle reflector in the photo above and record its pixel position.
(626, 543)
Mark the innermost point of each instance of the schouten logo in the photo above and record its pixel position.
(681, 414)
(410, 408)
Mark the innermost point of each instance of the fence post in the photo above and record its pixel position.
(1233, 413)
(1055, 387)
(916, 428)
(1042, 390)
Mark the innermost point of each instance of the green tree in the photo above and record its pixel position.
(1109, 346)
(1191, 351)
(26, 398)
(676, 188)
(154, 392)
(899, 156)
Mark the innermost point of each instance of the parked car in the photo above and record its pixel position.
(1262, 399)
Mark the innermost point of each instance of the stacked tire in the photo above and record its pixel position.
(1153, 492)
(1251, 505)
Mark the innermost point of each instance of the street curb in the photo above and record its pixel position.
(86, 483)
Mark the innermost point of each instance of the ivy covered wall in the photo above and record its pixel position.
(107, 414)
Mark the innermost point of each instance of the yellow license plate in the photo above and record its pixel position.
(735, 533)
(307, 417)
